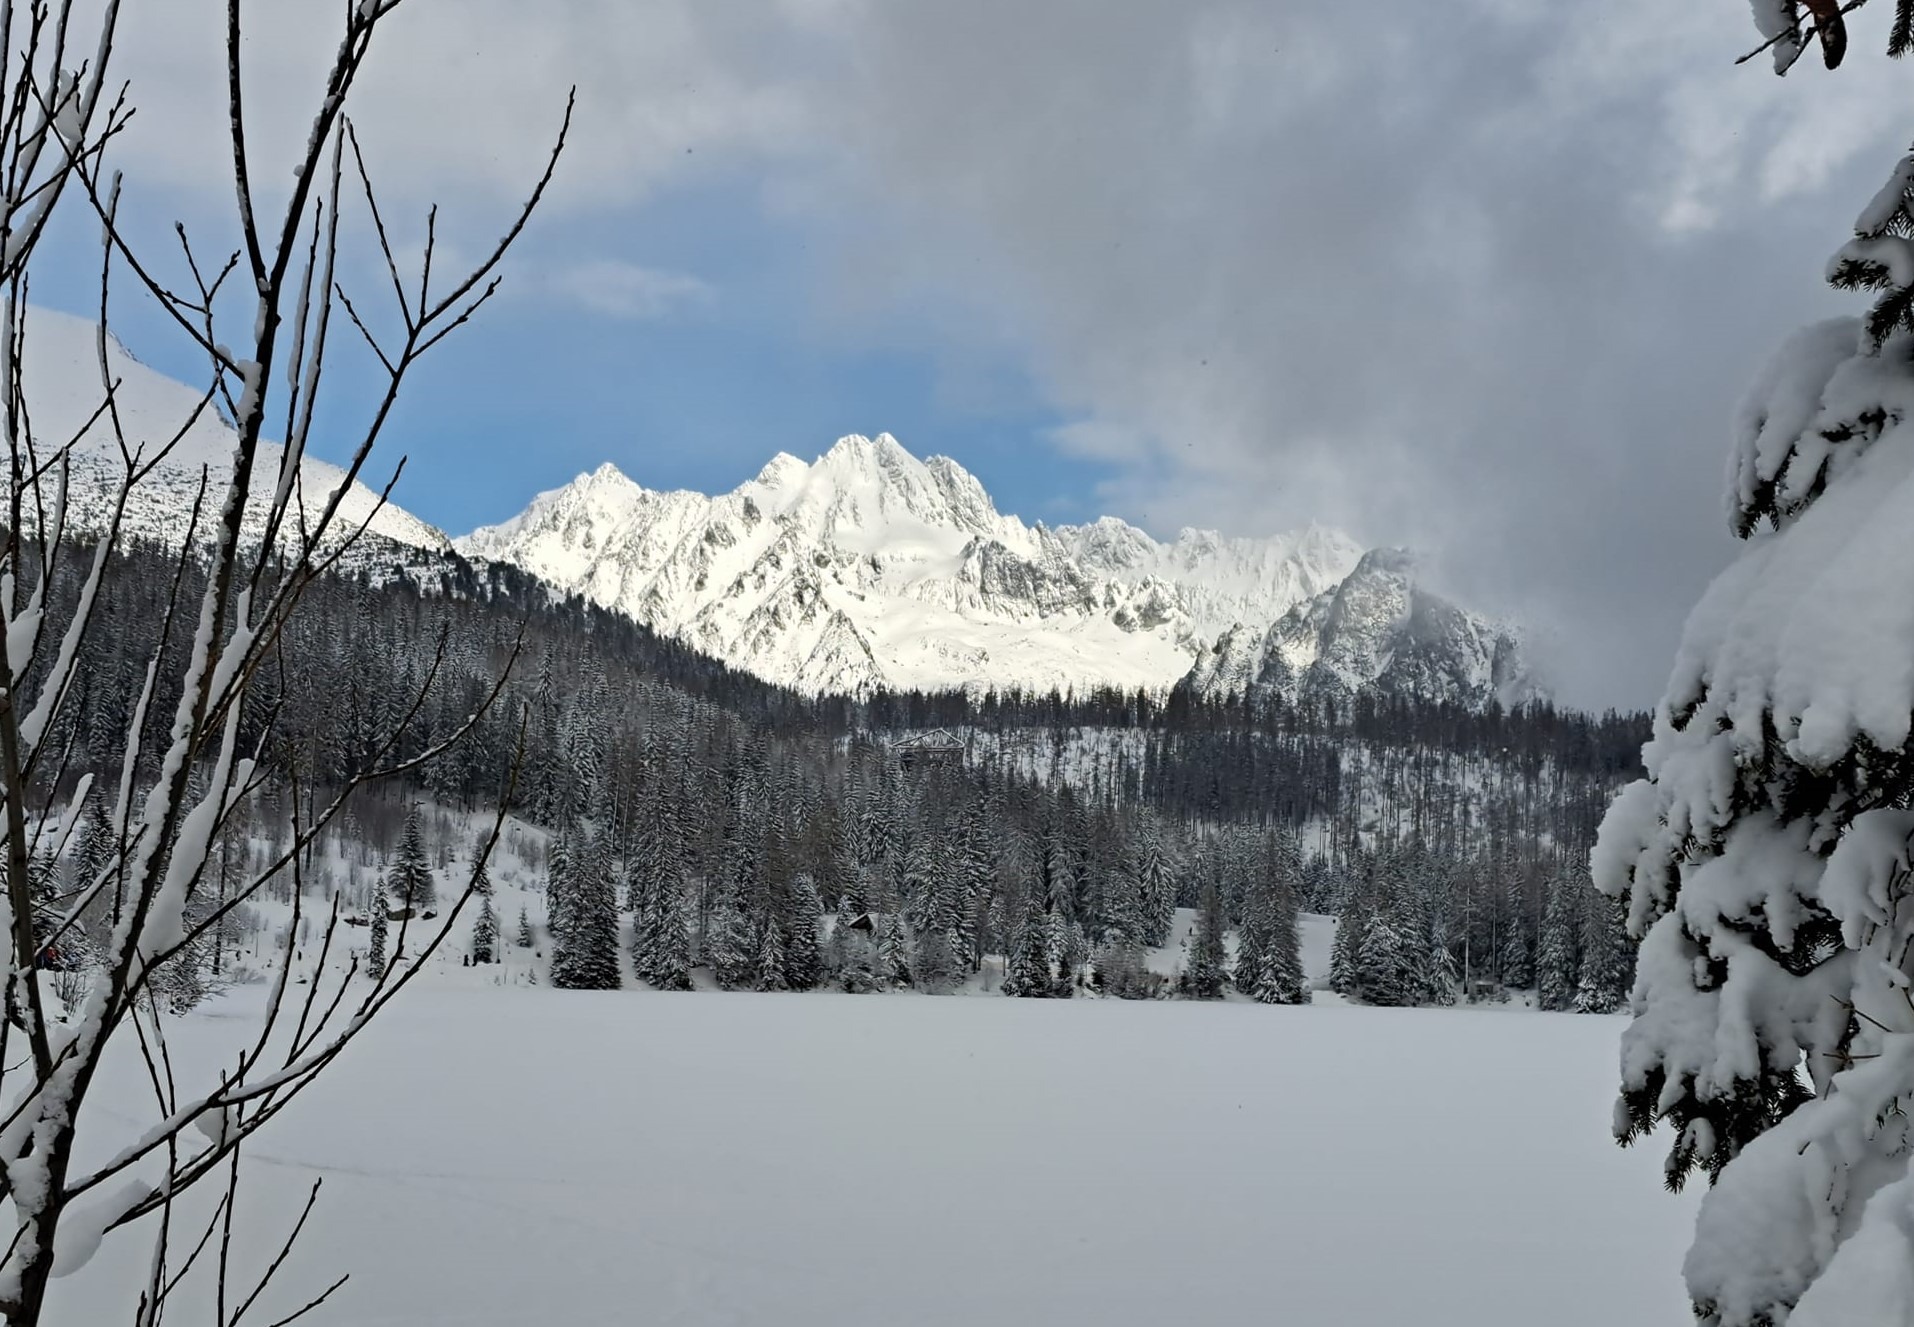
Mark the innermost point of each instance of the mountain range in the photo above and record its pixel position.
(870, 567)
(867, 567)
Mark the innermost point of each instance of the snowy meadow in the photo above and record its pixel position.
(513, 1154)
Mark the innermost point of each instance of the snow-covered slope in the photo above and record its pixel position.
(61, 371)
(870, 567)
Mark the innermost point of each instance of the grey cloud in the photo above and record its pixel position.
(1484, 277)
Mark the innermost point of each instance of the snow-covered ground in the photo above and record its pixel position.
(513, 1154)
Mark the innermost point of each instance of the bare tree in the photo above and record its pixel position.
(256, 540)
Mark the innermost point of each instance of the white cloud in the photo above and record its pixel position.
(618, 289)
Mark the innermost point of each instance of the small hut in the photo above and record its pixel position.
(938, 746)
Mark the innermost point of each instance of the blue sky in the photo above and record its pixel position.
(1483, 279)
(699, 393)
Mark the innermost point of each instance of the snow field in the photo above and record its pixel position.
(498, 1155)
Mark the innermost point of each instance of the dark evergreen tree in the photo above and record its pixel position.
(585, 953)
(1558, 964)
(729, 946)
(1387, 966)
(1608, 959)
(410, 876)
(893, 951)
(376, 923)
(1030, 975)
(670, 962)
(1515, 958)
(1345, 953)
(1206, 968)
(803, 953)
(485, 932)
(769, 963)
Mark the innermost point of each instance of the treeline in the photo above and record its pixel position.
(706, 818)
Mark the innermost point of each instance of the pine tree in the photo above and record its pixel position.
(670, 958)
(935, 963)
(1253, 938)
(558, 872)
(96, 856)
(485, 932)
(975, 872)
(1386, 966)
(1608, 965)
(1516, 963)
(1345, 954)
(375, 950)
(585, 953)
(853, 953)
(1155, 882)
(893, 951)
(1207, 969)
(803, 954)
(1280, 976)
(1440, 980)
(729, 946)
(770, 959)
(525, 937)
(1030, 974)
(410, 877)
(1558, 965)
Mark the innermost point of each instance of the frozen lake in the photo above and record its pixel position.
(500, 1155)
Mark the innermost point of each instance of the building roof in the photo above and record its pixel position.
(939, 740)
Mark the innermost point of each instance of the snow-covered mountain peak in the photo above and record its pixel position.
(781, 472)
(60, 368)
(866, 567)
(870, 567)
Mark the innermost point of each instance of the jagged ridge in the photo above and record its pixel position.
(870, 567)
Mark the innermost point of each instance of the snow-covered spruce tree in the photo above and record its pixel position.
(975, 870)
(893, 951)
(1765, 858)
(803, 952)
(1608, 959)
(1206, 967)
(585, 952)
(1030, 975)
(1514, 960)
(1558, 964)
(410, 878)
(855, 955)
(1345, 953)
(1279, 973)
(485, 932)
(559, 865)
(1387, 971)
(769, 963)
(730, 947)
(1253, 936)
(524, 938)
(485, 927)
(1155, 881)
(670, 958)
(376, 931)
